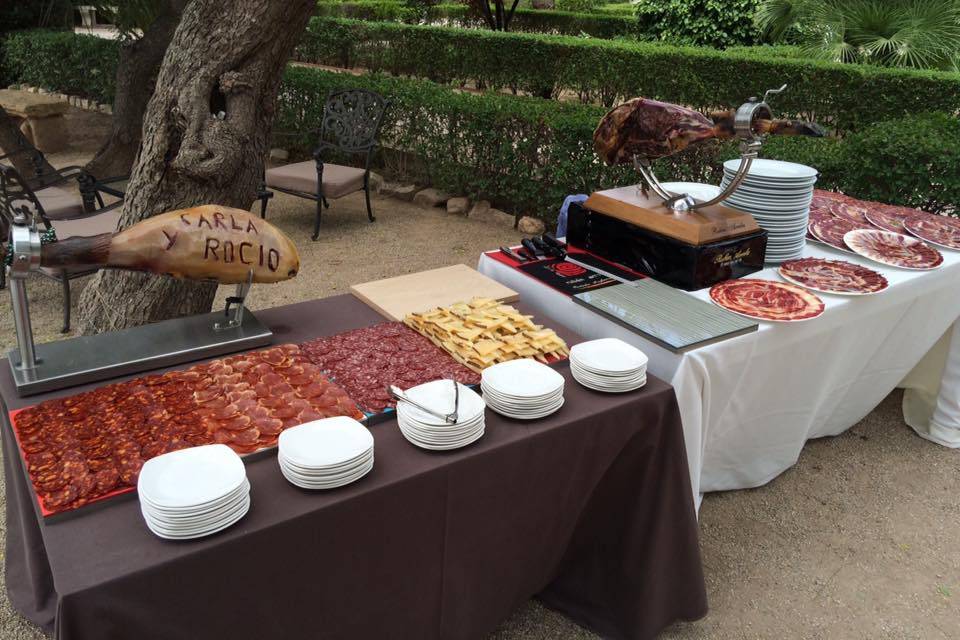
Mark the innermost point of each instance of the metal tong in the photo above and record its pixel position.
(449, 418)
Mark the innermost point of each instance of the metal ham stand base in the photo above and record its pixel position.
(56, 365)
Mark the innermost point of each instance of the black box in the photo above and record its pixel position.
(666, 259)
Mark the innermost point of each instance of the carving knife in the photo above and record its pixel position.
(513, 255)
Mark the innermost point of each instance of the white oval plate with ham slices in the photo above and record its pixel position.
(939, 230)
(836, 277)
(767, 300)
(893, 249)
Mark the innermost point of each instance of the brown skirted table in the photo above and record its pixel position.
(590, 509)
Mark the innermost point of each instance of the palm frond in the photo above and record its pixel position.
(896, 33)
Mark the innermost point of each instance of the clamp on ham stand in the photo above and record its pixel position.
(750, 143)
(38, 368)
(235, 302)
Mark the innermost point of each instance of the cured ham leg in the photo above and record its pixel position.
(209, 242)
(653, 129)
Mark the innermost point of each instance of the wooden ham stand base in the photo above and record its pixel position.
(698, 227)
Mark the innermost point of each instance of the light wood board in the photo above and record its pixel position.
(397, 297)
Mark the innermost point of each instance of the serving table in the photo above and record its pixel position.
(588, 508)
(750, 403)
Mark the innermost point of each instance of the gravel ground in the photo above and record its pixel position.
(858, 540)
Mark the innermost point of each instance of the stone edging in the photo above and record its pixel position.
(75, 101)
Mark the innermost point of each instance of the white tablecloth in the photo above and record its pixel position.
(750, 403)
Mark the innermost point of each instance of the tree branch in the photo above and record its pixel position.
(509, 16)
(485, 11)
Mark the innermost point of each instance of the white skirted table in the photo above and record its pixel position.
(750, 403)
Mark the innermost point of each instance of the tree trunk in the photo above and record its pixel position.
(226, 56)
(136, 78)
(29, 165)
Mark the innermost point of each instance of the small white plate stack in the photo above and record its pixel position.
(193, 492)
(522, 389)
(431, 432)
(325, 454)
(778, 195)
(608, 364)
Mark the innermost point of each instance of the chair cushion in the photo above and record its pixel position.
(302, 176)
(94, 225)
(60, 203)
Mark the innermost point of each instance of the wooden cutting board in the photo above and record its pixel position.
(397, 297)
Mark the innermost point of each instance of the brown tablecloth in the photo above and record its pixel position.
(589, 508)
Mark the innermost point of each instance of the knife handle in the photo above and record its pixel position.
(551, 239)
(532, 248)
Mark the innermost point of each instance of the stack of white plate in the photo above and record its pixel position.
(608, 364)
(428, 431)
(777, 194)
(193, 492)
(523, 389)
(325, 454)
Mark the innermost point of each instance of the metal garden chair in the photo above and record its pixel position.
(62, 210)
(351, 125)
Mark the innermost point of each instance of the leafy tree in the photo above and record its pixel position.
(205, 136)
(713, 23)
(921, 34)
(145, 28)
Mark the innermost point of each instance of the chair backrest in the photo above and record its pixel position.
(17, 200)
(352, 119)
(38, 178)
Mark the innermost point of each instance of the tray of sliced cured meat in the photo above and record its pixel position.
(943, 231)
(365, 362)
(767, 300)
(833, 276)
(894, 249)
(90, 446)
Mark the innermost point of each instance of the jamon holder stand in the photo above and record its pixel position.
(38, 368)
(750, 143)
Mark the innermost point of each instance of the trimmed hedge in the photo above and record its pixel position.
(597, 25)
(523, 154)
(526, 154)
(842, 96)
(913, 161)
(63, 61)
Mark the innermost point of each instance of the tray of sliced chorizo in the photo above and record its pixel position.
(90, 446)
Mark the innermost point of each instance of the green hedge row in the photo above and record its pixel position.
(597, 25)
(526, 154)
(842, 96)
(60, 60)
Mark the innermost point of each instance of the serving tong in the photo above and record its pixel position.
(449, 418)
